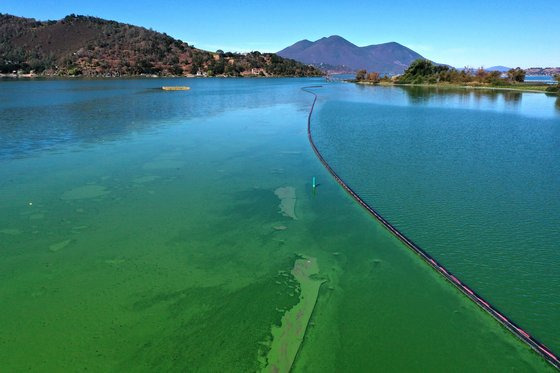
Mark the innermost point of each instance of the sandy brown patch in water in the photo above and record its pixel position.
(287, 197)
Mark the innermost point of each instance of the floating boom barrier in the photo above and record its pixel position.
(537, 346)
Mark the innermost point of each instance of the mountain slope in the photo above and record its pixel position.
(501, 69)
(387, 58)
(80, 45)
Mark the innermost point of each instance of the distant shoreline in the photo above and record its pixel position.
(141, 76)
(529, 88)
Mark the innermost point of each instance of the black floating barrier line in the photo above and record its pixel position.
(537, 346)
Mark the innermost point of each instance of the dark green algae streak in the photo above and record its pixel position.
(162, 247)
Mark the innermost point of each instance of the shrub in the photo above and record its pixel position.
(373, 77)
(361, 75)
(516, 75)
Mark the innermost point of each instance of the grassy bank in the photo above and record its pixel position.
(425, 73)
(537, 88)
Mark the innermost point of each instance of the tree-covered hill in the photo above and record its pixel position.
(89, 46)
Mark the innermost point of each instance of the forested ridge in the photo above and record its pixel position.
(90, 46)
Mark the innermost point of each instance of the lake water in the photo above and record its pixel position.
(178, 231)
(540, 78)
(471, 177)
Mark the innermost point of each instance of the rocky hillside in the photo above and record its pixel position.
(89, 46)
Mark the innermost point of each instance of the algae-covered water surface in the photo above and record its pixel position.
(144, 230)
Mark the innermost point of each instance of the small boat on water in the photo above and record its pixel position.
(175, 88)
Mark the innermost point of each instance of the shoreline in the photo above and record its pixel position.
(86, 77)
(529, 89)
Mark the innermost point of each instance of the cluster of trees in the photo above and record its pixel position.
(81, 45)
(364, 76)
(11, 58)
(516, 75)
(89, 45)
(253, 63)
(426, 72)
(556, 88)
(15, 59)
(278, 66)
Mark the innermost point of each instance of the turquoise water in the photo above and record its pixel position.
(471, 177)
(144, 230)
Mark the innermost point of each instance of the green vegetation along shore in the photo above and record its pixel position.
(425, 73)
(94, 47)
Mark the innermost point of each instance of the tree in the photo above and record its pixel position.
(555, 89)
(373, 77)
(421, 71)
(421, 67)
(218, 67)
(145, 66)
(176, 70)
(481, 74)
(494, 77)
(516, 75)
(361, 75)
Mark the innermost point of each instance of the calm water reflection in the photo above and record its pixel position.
(37, 115)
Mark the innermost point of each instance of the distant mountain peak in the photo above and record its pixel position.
(336, 37)
(334, 50)
(392, 43)
(498, 68)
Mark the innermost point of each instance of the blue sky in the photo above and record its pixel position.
(460, 33)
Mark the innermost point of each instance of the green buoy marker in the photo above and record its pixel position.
(314, 185)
